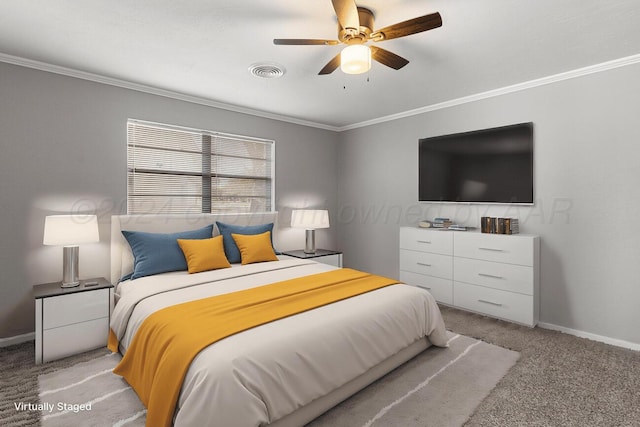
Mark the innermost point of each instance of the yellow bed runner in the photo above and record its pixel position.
(159, 356)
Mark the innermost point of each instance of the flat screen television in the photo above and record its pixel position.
(485, 166)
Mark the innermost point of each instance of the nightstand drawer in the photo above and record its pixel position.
(507, 277)
(74, 339)
(497, 248)
(436, 241)
(334, 260)
(441, 289)
(75, 308)
(505, 305)
(426, 263)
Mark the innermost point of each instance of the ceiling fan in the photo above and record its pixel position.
(355, 29)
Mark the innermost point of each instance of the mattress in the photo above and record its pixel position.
(267, 373)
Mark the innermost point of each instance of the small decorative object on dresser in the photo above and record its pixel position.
(72, 320)
(499, 225)
(323, 256)
(492, 274)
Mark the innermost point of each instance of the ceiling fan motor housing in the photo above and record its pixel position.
(361, 35)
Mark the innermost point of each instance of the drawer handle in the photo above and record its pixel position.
(491, 249)
(424, 264)
(497, 304)
(424, 241)
(490, 275)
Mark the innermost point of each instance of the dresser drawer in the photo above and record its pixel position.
(507, 277)
(74, 339)
(75, 308)
(493, 302)
(441, 289)
(436, 241)
(426, 263)
(498, 248)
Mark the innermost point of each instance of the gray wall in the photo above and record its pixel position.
(63, 148)
(587, 146)
(62, 143)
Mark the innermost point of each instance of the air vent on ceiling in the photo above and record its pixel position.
(267, 70)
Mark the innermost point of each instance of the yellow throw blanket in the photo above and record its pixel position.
(161, 352)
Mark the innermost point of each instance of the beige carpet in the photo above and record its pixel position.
(559, 380)
(440, 387)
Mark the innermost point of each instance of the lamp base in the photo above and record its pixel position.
(310, 242)
(70, 267)
(70, 285)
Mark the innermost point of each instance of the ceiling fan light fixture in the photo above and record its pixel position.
(355, 59)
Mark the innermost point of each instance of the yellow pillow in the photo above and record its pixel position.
(204, 254)
(255, 247)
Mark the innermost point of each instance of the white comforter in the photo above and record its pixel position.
(261, 375)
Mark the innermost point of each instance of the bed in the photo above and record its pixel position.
(282, 373)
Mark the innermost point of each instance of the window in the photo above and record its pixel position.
(179, 170)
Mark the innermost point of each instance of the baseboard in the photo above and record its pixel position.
(593, 337)
(18, 339)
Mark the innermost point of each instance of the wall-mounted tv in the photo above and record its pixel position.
(485, 166)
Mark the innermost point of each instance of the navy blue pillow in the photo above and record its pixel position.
(230, 248)
(156, 253)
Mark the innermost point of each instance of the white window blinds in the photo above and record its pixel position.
(178, 170)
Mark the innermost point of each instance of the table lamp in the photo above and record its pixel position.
(310, 220)
(69, 231)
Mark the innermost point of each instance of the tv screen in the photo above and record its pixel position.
(486, 166)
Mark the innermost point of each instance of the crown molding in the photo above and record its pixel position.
(592, 69)
(580, 72)
(43, 66)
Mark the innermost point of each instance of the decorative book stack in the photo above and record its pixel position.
(499, 225)
(443, 224)
(436, 223)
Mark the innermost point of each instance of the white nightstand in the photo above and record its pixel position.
(72, 320)
(321, 255)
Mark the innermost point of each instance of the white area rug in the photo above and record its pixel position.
(440, 387)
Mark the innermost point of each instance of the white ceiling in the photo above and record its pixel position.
(203, 48)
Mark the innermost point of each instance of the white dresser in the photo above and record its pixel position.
(492, 274)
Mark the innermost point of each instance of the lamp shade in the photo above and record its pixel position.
(355, 59)
(310, 219)
(70, 230)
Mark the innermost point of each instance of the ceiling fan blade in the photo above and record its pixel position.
(406, 28)
(331, 66)
(387, 58)
(347, 13)
(305, 42)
